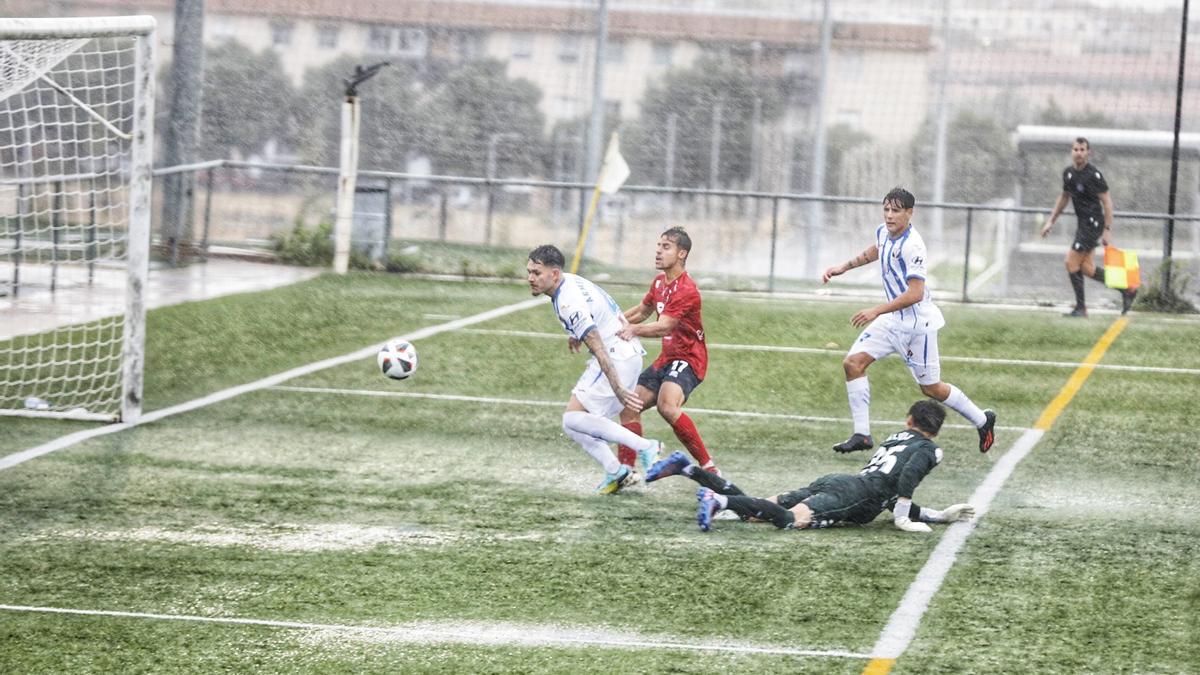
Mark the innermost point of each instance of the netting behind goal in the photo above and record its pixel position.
(75, 138)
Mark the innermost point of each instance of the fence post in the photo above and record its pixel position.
(207, 213)
(774, 236)
(487, 223)
(967, 255)
(442, 214)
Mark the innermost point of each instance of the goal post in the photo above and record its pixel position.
(76, 139)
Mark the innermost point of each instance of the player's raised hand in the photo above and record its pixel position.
(573, 345)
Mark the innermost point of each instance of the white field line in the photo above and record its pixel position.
(226, 394)
(903, 624)
(524, 635)
(561, 404)
(842, 352)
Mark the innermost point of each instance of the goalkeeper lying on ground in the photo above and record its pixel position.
(886, 482)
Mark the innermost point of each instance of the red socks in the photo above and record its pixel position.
(687, 434)
(627, 455)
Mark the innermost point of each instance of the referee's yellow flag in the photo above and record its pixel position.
(1121, 268)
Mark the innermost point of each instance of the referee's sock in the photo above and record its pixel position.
(1077, 285)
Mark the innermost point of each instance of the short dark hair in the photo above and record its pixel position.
(1083, 140)
(899, 195)
(680, 236)
(548, 255)
(928, 416)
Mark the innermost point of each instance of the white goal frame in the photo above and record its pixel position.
(142, 30)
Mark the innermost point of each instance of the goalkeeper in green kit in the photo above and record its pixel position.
(886, 482)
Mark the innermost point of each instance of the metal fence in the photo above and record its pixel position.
(743, 240)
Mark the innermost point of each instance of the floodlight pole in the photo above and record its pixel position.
(348, 171)
(1169, 231)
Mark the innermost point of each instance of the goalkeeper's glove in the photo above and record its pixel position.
(958, 512)
(900, 513)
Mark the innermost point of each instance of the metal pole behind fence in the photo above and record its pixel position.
(487, 223)
(967, 255)
(55, 223)
(1169, 232)
(442, 214)
(774, 236)
(208, 193)
(90, 253)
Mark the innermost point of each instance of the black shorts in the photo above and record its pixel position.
(678, 371)
(1087, 236)
(836, 498)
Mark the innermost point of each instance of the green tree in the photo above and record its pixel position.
(980, 158)
(247, 101)
(484, 108)
(692, 97)
(393, 115)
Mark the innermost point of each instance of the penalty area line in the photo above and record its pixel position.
(560, 404)
(902, 626)
(458, 633)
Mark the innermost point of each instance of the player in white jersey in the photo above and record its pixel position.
(591, 317)
(906, 324)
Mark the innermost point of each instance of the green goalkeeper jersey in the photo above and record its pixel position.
(900, 464)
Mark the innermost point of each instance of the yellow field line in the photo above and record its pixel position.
(883, 665)
(1052, 411)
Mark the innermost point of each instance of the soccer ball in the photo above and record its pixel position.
(398, 359)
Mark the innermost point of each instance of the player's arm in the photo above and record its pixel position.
(1106, 202)
(916, 291)
(870, 255)
(660, 327)
(638, 313)
(905, 514)
(1058, 208)
(596, 346)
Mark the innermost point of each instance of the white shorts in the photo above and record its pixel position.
(919, 350)
(594, 391)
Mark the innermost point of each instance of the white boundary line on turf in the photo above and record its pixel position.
(903, 624)
(560, 404)
(842, 352)
(527, 637)
(225, 394)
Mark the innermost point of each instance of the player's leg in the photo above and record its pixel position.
(589, 415)
(872, 343)
(1074, 264)
(632, 420)
(926, 368)
(678, 385)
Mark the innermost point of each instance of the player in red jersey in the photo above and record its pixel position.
(681, 366)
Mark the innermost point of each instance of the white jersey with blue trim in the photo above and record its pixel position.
(901, 259)
(581, 307)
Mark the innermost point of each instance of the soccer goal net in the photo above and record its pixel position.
(76, 103)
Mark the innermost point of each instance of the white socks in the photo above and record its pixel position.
(594, 433)
(958, 402)
(858, 391)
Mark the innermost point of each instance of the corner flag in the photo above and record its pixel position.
(613, 173)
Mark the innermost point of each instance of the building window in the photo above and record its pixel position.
(661, 53)
(467, 45)
(614, 52)
(568, 49)
(379, 39)
(327, 36)
(412, 42)
(522, 46)
(281, 32)
(850, 117)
